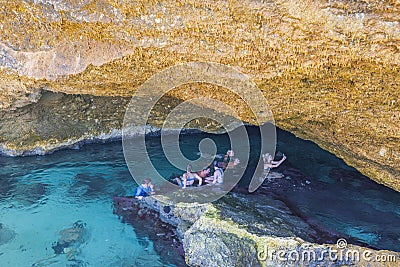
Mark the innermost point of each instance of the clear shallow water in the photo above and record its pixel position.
(40, 196)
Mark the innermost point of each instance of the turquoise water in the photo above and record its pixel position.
(42, 195)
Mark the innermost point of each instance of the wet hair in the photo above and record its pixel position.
(146, 180)
(230, 152)
(267, 158)
(206, 169)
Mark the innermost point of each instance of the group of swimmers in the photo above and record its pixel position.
(213, 174)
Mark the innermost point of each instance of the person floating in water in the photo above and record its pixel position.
(145, 189)
(269, 163)
(189, 177)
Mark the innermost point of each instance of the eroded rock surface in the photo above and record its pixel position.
(329, 69)
(230, 232)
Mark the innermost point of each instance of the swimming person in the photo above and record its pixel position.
(269, 163)
(229, 154)
(233, 163)
(189, 177)
(145, 189)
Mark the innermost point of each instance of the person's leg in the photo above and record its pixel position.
(178, 181)
(208, 179)
(199, 179)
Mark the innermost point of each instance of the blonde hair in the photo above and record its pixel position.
(267, 157)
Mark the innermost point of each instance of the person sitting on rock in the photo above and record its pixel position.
(188, 178)
(218, 176)
(145, 189)
(204, 173)
(269, 163)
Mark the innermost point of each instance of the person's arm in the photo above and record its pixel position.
(275, 164)
(151, 191)
(233, 163)
(216, 174)
(184, 179)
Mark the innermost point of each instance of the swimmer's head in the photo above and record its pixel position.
(267, 158)
(189, 168)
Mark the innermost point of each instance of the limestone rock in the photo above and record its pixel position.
(231, 232)
(329, 69)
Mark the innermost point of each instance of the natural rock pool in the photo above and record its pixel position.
(42, 197)
(57, 209)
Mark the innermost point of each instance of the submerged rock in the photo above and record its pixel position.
(29, 194)
(70, 240)
(150, 224)
(6, 234)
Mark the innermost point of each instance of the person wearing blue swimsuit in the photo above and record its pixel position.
(189, 177)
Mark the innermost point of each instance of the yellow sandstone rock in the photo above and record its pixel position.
(329, 69)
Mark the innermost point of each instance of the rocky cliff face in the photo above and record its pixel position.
(329, 69)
